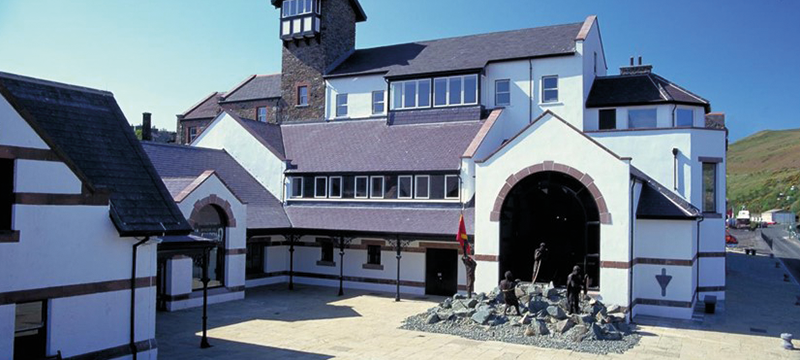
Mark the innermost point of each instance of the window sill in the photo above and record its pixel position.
(326, 263)
(9, 236)
(551, 103)
(372, 266)
(301, 106)
(712, 215)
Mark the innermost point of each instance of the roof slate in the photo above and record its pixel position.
(177, 162)
(423, 220)
(658, 202)
(461, 53)
(374, 146)
(639, 89)
(89, 129)
(206, 109)
(257, 87)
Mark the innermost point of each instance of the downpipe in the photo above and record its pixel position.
(133, 297)
(631, 280)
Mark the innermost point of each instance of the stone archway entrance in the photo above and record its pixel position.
(557, 208)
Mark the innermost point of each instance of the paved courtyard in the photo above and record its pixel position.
(314, 323)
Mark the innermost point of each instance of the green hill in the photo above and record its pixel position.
(762, 169)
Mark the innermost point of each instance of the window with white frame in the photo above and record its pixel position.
(422, 187)
(378, 102)
(362, 187)
(302, 95)
(341, 105)
(456, 90)
(261, 113)
(335, 184)
(376, 187)
(405, 187)
(550, 89)
(411, 94)
(642, 118)
(451, 186)
(320, 187)
(502, 92)
(296, 183)
(192, 133)
(684, 118)
(296, 7)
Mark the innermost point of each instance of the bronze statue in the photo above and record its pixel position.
(575, 282)
(508, 286)
(470, 264)
(538, 255)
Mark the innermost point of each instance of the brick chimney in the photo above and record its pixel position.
(715, 120)
(147, 132)
(636, 69)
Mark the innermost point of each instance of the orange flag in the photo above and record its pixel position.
(462, 236)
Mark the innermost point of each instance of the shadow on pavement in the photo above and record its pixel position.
(232, 350)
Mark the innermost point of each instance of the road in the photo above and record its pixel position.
(786, 248)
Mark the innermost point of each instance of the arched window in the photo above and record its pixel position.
(210, 222)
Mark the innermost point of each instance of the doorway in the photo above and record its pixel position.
(441, 272)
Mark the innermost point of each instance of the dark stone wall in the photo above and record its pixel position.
(182, 136)
(306, 61)
(249, 109)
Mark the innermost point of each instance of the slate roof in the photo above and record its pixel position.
(207, 108)
(380, 218)
(639, 89)
(461, 53)
(178, 162)
(658, 202)
(87, 128)
(256, 87)
(374, 146)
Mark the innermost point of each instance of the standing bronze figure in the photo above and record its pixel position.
(575, 282)
(470, 265)
(508, 286)
(538, 256)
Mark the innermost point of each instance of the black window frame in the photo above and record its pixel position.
(7, 169)
(326, 251)
(373, 254)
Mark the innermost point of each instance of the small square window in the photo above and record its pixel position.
(608, 119)
(502, 92)
(335, 187)
(549, 89)
(320, 187)
(374, 254)
(404, 187)
(378, 102)
(684, 118)
(362, 187)
(422, 186)
(192, 133)
(341, 105)
(297, 187)
(451, 187)
(376, 187)
(302, 95)
(261, 114)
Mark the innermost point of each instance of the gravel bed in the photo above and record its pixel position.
(509, 333)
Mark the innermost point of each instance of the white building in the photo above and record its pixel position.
(778, 216)
(80, 208)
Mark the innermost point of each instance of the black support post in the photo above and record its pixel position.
(291, 260)
(204, 342)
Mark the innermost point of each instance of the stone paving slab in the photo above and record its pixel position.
(313, 323)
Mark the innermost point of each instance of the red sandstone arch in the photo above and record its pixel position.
(585, 179)
(213, 199)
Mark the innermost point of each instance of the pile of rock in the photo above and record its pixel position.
(544, 320)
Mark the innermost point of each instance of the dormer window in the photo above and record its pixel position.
(297, 7)
(300, 19)
(411, 94)
(455, 90)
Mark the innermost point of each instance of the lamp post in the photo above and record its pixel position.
(342, 242)
(204, 342)
(399, 244)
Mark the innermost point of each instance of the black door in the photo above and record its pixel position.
(441, 267)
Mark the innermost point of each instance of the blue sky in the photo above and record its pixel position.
(163, 56)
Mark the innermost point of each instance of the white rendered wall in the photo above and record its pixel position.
(225, 133)
(665, 239)
(587, 50)
(48, 177)
(16, 131)
(544, 141)
(179, 275)
(235, 237)
(359, 95)
(7, 323)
